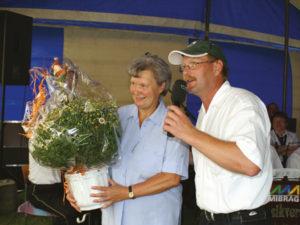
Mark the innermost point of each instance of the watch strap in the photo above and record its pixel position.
(130, 192)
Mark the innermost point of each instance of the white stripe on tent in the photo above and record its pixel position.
(150, 21)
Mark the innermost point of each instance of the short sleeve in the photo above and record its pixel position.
(251, 131)
(176, 158)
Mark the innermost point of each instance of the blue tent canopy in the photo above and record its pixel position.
(250, 32)
(260, 22)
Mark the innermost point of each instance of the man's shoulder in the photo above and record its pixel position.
(240, 91)
(234, 93)
(292, 134)
(242, 95)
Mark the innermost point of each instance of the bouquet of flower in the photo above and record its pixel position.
(72, 123)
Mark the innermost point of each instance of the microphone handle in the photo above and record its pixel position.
(170, 135)
(178, 105)
(188, 113)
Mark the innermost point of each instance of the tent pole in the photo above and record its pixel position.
(207, 18)
(2, 118)
(286, 54)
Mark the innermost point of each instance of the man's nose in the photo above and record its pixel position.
(185, 74)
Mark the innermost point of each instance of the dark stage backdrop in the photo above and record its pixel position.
(46, 43)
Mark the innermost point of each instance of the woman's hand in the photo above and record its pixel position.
(108, 195)
(70, 197)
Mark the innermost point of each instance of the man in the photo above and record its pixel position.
(230, 143)
(285, 142)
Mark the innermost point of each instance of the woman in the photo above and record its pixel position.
(145, 186)
(146, 180)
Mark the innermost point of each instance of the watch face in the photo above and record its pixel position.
(130, 194)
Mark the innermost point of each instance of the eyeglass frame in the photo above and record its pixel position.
(193, 65)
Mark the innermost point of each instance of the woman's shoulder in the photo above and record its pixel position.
(126, 111)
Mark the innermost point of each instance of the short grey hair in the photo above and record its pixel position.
(159, 68)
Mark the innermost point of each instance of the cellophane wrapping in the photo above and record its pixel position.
(72, 122)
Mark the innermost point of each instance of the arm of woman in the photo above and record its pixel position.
(154, 185)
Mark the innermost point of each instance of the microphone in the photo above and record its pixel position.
(178, 95)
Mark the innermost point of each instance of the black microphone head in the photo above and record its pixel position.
(178, 92)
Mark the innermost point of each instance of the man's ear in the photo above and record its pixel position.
(215, 69)
(218, 65)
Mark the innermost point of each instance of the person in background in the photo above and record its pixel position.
(45, 191)
(145, 186)
(272, 109)
(230, 143)
(293, 160)
(285, 142)
(276, 161)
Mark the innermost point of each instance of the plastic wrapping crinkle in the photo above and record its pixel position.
(72, 121)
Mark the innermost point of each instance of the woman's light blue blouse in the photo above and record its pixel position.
(145, 151)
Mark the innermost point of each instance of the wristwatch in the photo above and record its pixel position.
(130, 192)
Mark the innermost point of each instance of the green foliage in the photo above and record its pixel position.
(81, 132)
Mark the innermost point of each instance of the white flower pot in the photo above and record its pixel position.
(80, 186)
